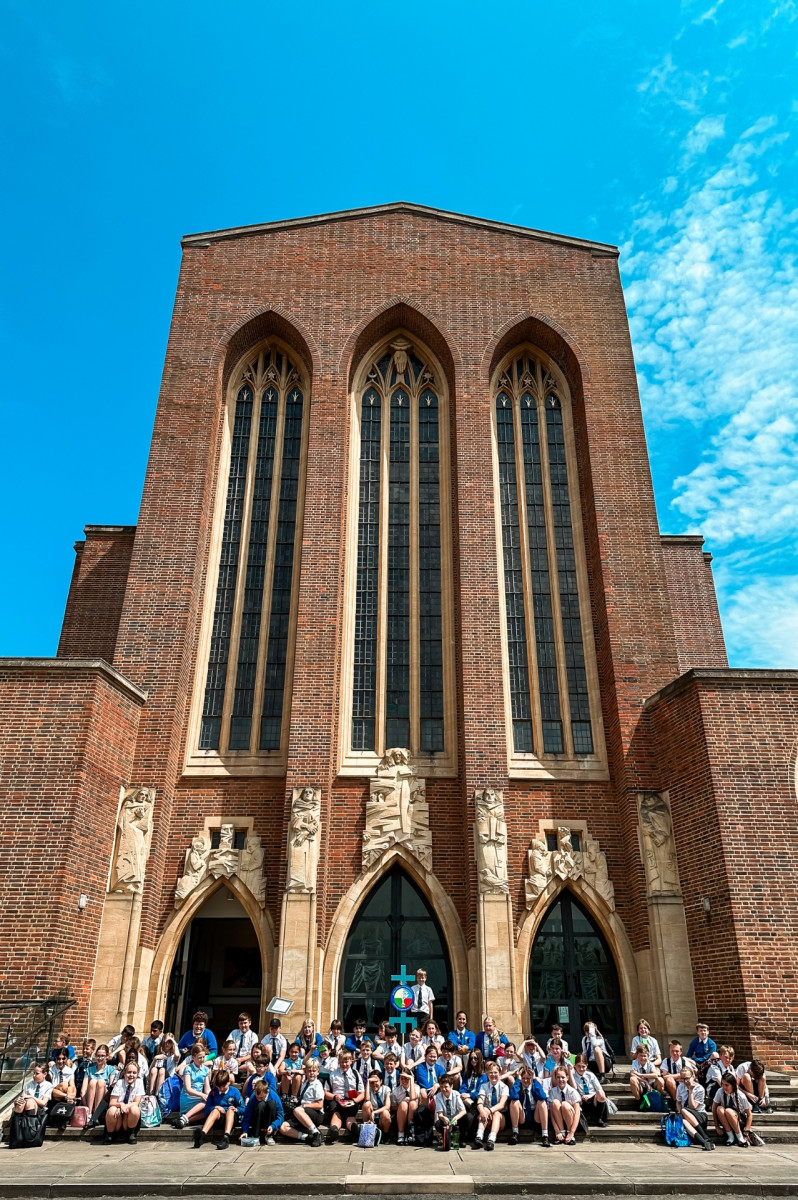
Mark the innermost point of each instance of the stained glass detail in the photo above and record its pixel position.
(397, 658)
(210, 729)
(545, 641)
(282, 578)
(364, 695)
(513, 579)
(578, 697)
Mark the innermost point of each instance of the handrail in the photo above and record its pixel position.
(43, 1012)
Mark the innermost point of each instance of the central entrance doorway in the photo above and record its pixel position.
(572, 977)
(217, 968)
(394, 927)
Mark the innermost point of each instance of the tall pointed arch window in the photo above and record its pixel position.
(245, 689)
(399, 643)
(550, 679)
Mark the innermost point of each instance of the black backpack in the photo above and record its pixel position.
(27, 1130)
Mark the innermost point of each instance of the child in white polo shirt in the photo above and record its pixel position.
(423, 999)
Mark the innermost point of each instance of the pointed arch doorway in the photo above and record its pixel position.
(217, 967)
(573, 977)
(394, 926)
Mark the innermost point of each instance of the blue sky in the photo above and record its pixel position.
(668, 127)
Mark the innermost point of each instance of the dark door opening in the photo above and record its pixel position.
(572, 977)
(217, 968)
(394, 927)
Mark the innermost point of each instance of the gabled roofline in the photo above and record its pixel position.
(200, 240)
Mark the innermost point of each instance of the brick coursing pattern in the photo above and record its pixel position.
(694, 604)
(96, 592)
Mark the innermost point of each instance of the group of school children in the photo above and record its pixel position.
(466, 1087)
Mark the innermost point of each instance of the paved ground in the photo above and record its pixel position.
(151, 1168)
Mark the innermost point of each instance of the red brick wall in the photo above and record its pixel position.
(66, 746)
(471, 292)
(691, 588)
(96, 592)
(727, 741)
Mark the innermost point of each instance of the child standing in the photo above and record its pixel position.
(423, 999)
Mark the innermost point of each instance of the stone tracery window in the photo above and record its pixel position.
(548, 647)
(246, 692)
(401, 639)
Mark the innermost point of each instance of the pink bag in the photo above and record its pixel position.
(79, 1118)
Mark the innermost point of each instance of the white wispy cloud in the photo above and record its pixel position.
(712, 289)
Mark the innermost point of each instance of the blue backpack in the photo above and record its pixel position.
(673, 1130)
(169, 1095)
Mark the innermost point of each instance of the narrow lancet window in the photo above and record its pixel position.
(543, 619)
(245, 690)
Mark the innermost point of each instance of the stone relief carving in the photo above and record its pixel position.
(133, 836)
(223, 862)
(303, 840)
(490, 841)
(397, 812)
(658, 846)
(588, 863)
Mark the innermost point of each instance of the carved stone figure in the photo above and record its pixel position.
(589, 863)
(303, 840)
(658, 846)
(195, 870)
(490, 840)
(250, 868)
(397, 812)
(594, 868)
(563, 861)
(539, 870)
(223, 862)
(133, 834)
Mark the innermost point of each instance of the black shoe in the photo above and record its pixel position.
(708, 1146)
(513, 1139)
(224, 1144)
(602, 1124)
(544, 1141)
(108, 1140)
(354, 1130)
(334, 1134)
(131, 1139)
(315, 1139)
(198, 1138)
(489, 1144)
(477, 1144)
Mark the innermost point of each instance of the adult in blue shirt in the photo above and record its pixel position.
(702, 1046)
(489, 1039)
(464, 1040)
(199, 1029)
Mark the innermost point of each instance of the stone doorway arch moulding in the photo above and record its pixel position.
(177, 925)
(610, 926)
(460, 957)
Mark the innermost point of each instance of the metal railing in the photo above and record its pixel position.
(25, 1023)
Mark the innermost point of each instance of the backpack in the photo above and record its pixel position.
(80, 1117)
(673, 1131)
(368, 1138)
(61, 1114)
(652, 1101)
(27, 1130)
(169, 1095)
(150, 1112)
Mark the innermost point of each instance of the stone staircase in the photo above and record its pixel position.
(627, 1125)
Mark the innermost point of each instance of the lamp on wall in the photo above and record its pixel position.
(705, 904)
(83, 900)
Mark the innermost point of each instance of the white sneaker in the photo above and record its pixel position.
(270, 1141)
(729, 1138)
(249, 1142)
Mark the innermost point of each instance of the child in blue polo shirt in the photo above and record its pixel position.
(702, 1046)
(224, 1101)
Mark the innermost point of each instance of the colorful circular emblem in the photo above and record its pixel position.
(402, 997)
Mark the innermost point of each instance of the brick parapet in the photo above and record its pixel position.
(694, 604)
(66, 748)
(727, 742)
(97, 592)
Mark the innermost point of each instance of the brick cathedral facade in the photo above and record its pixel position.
(661, 805)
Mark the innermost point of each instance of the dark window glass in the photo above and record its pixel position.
(513, 578)
(364, 698)
(548, 685)
(282, 579)
(397, 680)
(429, 575)
(578, 698)
(210, 728)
